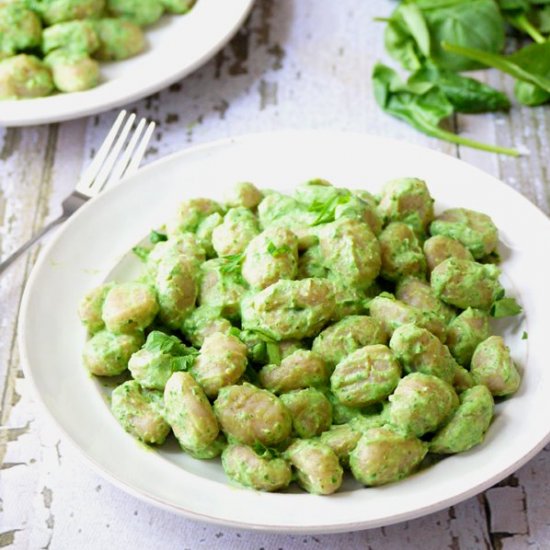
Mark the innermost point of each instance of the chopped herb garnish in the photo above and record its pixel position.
(326, 210)
(273, 353)
(524, 336)
(157, 237)
(159, 342)
(277, 251)
(265, 452)
(505, 307)
(231, 265)
(141, 252)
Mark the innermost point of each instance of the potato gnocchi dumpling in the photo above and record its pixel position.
(298, 336)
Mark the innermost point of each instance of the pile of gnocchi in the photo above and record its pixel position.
(49, 45)
(298, 336)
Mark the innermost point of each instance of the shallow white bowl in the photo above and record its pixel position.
(177, 45)
(99, 236)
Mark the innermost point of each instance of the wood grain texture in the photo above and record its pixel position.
(294, 64)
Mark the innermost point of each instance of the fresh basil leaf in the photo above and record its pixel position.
(422, 110)
(505, 307)
(466, 95)
(157, 237)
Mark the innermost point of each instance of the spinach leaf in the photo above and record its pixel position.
(530, 64)
(416, 29)
(422, 107)
(467, 95)
(529, 94)
(519, 14)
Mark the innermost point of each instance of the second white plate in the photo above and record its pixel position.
(177, 45)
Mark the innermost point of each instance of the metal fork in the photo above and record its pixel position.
(103, 171)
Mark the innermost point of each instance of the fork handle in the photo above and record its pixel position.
(24, 247)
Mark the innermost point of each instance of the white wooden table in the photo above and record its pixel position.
(294, 64)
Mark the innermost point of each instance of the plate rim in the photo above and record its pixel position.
(159, 502)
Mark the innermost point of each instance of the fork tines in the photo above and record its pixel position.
(104, 169)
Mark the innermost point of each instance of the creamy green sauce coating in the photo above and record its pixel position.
(301, 369)
(418, 350)
(189, 414)
(304, 362)
(221, 362)
(270, 257)
(407, 200)
(129, 307)
(311, 411)
(317, 467)
(90, 307)
(140, 412)
(289, 309)
(244, 465)
(421, 403)
(493, 366)
(107, 354)
(393, 313)
(251, 415)
(468, 425)
(222, 286)
(466, 332)
(244, 193)
(202, 322)
(118, 39)
(158, 359)
(465, 284)
(383, 455)
(20, 29)
(139, 12)
(74, 36)
(348, 335)
(177, 286)
(73, 71)
(350, 252)
(401, 253)
(475, 230)
(58, 11)
(24, 76)
(342, 440)
(238, 228)
(366, 376)
(440, 247)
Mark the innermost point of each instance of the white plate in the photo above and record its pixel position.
(177, 45)
(101, 233)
